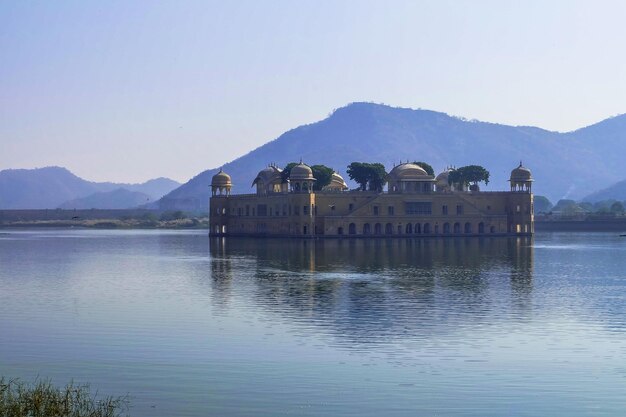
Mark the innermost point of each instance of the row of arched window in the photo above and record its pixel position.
(416, 228)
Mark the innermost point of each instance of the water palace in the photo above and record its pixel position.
(415, 204)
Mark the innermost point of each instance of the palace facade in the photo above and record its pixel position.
(415, 204)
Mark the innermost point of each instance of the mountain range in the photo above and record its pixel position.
(564, 165)
(571, 165)
(616, 191)
(52, 187)
(120, 198)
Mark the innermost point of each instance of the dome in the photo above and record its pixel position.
(301, 172)
(409, 171)
(221, 179)
(268, 175)
(442, 178)
(336, 183)
(521, 174)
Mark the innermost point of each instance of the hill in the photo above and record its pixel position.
(50, 187)
(564, 165)
(154, 188)
(616, 191)
(120, 198)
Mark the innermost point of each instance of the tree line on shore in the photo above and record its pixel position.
(568, 207)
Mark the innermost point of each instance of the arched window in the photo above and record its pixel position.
(468, 227)
(388, 229)
(352, 229)
(446, 228)
(366, 229)
(426, 228)
(481, 227)
(378, 229)
(457, 227)
(409, 228)
(418, 228)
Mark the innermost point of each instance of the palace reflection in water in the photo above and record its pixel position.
(370, 291)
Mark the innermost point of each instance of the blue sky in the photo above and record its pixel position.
(127, 91)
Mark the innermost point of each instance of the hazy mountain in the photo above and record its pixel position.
(52, 186)
(155, 188)
(40, 188)
(116, 199)
(542, 204)
(564, 165)
(616, 191)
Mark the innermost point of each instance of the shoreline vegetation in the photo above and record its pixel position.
(42, 398)
(192, 223)
(176, 219)
(103, 219)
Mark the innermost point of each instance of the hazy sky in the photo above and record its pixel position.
(131, 90)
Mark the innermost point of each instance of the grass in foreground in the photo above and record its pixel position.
(42, 399)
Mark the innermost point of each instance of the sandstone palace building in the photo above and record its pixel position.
(415, 204)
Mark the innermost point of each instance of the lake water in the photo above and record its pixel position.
(192, 326)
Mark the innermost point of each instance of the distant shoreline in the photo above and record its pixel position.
(159, 219)
(106, 224)
(102, 219)
(603, 225)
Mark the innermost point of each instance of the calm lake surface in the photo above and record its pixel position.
(192, 326)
